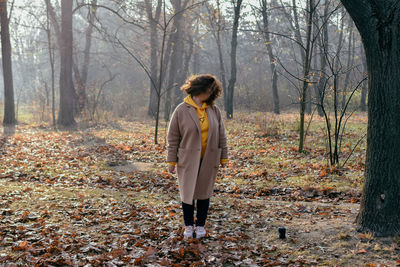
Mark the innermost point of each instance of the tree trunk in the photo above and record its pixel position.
(217, 36)
(272, 59)
(232, 80)
(53, 18)
(323, 43)
(297, 31)
(308, 101)
(337, 61)
(67, 93)
(81, 92)
(378, 23)
(186, 58)
(350, 61)
(306, 77)
(51, 58)
(9, 105)
(153, 20)
(196, 53)
(363, 101)
(176, 56)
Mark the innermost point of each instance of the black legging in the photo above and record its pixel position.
(202, 211)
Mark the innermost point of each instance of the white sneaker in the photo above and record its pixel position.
(200, 231)
(188, 232)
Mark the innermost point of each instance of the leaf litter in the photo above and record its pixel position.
(102, 196)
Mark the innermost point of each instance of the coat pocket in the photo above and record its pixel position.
(185, 155)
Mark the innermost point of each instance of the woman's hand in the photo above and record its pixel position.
(171, 168)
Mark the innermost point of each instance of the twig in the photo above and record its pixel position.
(351, 153)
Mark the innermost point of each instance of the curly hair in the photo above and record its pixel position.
(203, 83)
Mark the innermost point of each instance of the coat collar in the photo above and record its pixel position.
(195, 118)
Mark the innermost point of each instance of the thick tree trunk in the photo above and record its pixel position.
(67, 92)
(380, 210)
(232, 80)
(9, 105)
(378, 23)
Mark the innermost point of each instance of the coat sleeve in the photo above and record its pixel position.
(173, 138)
(222, 136)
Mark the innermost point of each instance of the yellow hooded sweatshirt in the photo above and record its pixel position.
(204, 124)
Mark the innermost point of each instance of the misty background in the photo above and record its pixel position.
(119, 44)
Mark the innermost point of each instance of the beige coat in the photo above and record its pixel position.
(184, 147)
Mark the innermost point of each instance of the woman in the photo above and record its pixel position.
(196, 146)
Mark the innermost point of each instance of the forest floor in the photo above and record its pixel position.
(101, 195)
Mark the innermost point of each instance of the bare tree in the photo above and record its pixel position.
(81, 76)
(350, 59)
(217, 24)
(323, 43)
(67, 91)
(306, 77)
(153, 20)
(9, 106)
(232, 80)
(175, 64)
(272, 59)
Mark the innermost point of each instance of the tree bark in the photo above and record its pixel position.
(9, 105)
(378, 23)
(232, 80)
(67, 92)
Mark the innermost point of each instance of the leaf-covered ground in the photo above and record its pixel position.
(102, 196)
